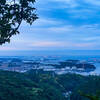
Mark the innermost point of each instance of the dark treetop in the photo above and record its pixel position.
(12, 13)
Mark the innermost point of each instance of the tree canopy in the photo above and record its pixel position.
(12, 13)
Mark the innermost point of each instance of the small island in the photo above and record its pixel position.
(75, 65)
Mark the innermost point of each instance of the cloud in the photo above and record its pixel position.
(95, 38)
(69, 3)
(47, 44)
(43, 22)
(6, 48)
(75, 3)
(64, 44)
(93, 2)
(46, 22)
(84, 45)
(61, 29)
(50, 45)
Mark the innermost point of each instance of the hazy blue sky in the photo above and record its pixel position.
(62, 25)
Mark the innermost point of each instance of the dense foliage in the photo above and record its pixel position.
(82, 87)
(12, 13)
(39, 85)
(15, 86)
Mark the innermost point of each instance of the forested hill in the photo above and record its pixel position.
(16, 86)
(46, 86)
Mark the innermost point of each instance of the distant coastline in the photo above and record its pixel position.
(56, 64)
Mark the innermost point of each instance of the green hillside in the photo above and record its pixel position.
(46, 86)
